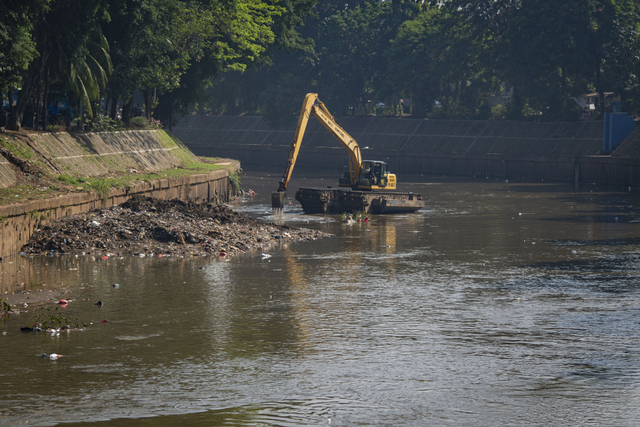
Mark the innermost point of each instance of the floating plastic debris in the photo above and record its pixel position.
(52, 356)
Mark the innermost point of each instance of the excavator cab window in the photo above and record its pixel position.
(373, 173)
(365, 173)
(380, 171)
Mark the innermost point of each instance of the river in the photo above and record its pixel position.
(498, 304)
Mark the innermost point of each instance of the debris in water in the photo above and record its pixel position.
(52, 356)
(143, 226)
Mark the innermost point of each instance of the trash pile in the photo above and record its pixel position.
(143, 226)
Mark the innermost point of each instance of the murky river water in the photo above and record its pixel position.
(499, 304)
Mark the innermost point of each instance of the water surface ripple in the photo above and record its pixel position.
(498, 304)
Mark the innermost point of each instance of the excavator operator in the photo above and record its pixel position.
(375, 179)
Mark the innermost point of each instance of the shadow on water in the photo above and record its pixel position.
(309, 411)
(580, 265)
(624, 241)
(595, 218)
(629, 262)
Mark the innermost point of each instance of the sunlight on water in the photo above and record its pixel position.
(495, 305)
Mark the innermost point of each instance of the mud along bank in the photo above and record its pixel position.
(46, 176)
(141, 227)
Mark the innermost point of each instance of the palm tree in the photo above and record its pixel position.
(86, 70)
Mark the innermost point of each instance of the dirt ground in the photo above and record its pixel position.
(149, 227)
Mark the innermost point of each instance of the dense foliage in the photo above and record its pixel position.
(430, 59)
(446, 59)
(107, 49)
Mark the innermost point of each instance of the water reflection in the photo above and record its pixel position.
(479, 310)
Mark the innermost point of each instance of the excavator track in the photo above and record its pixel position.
(339, 200)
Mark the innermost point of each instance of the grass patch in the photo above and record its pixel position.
(203, 166)
(17, 193)
(168, 141)
(103, 186)
(69, 184)
(234, 183)
(183, 154)
(19, 150)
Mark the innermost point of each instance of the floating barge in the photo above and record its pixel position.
(339, 200)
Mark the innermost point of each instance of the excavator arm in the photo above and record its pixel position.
(320, 112)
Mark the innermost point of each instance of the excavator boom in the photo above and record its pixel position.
(311, 105)
(363, 175)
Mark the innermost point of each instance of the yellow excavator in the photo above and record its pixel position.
(368, 180)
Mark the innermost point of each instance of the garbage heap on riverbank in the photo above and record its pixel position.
(143, 226)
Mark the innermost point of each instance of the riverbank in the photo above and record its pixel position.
(144, 226)
(46, 176)
(148, 227)
(518, 151)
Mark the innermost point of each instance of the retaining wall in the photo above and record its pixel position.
(94, 154)
(497, 149)
(17, 222)
(7, 176)
(99, 154)
(403, 136)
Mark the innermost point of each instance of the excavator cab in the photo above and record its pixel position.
(373, 174)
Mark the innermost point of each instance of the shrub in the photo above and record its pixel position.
(98, 123)
(143, 123)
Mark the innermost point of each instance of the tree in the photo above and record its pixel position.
(613, 37)
(146, 49)
(558, 49)
(61, 53)
(221, 36)
(351, 55)
(440, 59)
(340, 57)
(17, 45)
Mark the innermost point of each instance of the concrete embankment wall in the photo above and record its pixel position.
(7, 176)
(497, 149)
(20, 220)
(95, 155)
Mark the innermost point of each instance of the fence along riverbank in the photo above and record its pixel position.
(558, 151)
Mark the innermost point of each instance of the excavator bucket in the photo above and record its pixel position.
(277, 199)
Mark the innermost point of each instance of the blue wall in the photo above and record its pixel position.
(617, 127)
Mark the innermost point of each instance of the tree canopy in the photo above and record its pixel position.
(107, 49)
(449, 58)
(431, 59)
